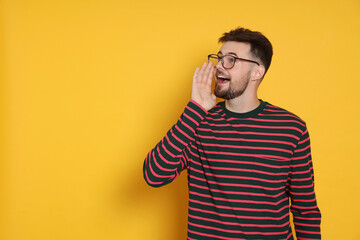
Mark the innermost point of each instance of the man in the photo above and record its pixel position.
(245, 157)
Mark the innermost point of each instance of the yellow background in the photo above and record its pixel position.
(89, 87)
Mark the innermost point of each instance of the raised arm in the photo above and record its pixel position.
(167, 159)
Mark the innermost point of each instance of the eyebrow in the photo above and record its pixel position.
(231, 53)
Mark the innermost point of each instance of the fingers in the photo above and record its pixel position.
(201, 72)
(205, 73)
(196, 73)
(210, 76)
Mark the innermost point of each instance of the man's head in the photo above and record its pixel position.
(244, 58)
(260, 46)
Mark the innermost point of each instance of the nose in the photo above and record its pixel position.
(218, 65)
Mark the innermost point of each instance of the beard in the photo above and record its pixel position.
(231, 92)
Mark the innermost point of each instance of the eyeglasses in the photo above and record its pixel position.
(227, 61)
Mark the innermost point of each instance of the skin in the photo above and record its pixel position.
(244, 76)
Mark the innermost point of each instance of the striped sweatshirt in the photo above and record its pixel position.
(244, 170)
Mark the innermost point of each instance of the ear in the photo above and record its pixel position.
(259, 72)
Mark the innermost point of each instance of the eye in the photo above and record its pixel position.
(229, 59)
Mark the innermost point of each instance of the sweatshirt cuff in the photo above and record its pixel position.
(199, 106)
(195, 111)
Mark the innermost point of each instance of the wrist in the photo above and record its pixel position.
(199, 105)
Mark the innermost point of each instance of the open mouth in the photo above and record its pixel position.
(221, 79)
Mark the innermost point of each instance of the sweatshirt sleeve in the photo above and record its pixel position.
(167, 159)
(307, 216)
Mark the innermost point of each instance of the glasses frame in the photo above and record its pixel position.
(236, 58)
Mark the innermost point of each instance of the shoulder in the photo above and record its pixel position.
(274, 112)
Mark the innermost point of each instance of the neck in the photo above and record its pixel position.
(242, 104)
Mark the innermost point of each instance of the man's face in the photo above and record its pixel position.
(231, 83)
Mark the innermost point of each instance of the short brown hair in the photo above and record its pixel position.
(260, 45)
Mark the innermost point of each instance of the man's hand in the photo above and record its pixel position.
(201, 88)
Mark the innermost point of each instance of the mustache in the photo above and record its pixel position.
(219, 72)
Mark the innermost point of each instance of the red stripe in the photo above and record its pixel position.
(208, 117)
(272, 157)
(192, 110)
(244, 139)
(308, 232)
(303, 141)
(238, 200)
(158, 175)
(236, 231)
(238, 177)
(238, 216)
(280, 115)
(160, 167)
(253, 133)
(169, 141)
(302, 207)
(237, 184)
(237, 161)
(304, 200)
(299, 172)
(167, 151)
(243, 162)
(242, 170)
(308, 225)
(191, 119)
(239, 208)
(151, 182)
(252, 126)
(178, 139)
(301, 157)
(239, 224)
(302, 193)
(305, 186)
(276, 121)
(183, 133)
(300, 179)
(272, 110)
(213, 235)
(235, 192)
(300, 164)
(302, 149)
(243, 147)
(186, 125)
(306, 218)
(162, 157)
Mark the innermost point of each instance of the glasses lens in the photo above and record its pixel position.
(228, 61)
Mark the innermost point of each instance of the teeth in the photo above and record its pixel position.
(224, 78)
